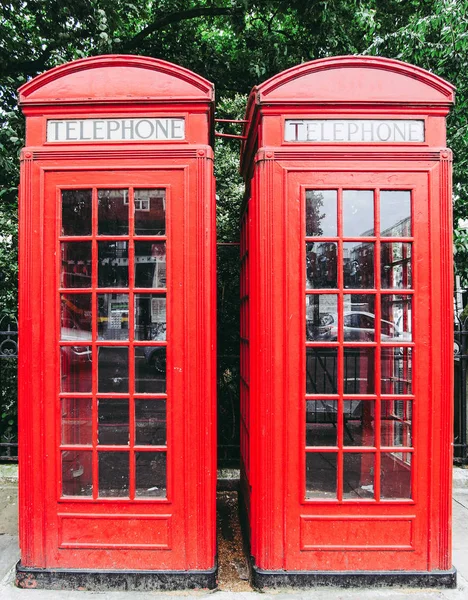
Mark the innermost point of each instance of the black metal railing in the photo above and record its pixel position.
(460, 442)
(8, 389)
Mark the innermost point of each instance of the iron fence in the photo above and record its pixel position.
(8, 389)
(460, 438)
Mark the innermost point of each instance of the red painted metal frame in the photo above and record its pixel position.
(288, 532)
(76, 533)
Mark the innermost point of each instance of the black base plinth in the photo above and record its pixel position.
(100, 581)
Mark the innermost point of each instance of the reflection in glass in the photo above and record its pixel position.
(321, 474)
(112, 316)
(150, 317)
(113, 212)
(359, 317)
(321, 422)
(76, 212)
(150, 474)
(112, 369)
(321, 213)
(75, 317)
(150, 212)
(150, 422)
(358, 475)
(396, 420)
(321, 317)
(150, 264)
(77, 473)
(395, 213)
(395, 475)
(113, 264)
(77, 421)
(321, 370)
(113, 474)
(396, 318)
(395, 265)
(358, 213)
(321, 265)
(396, 375)
(358, 417)
(358, 264)
(150, 369)
(359, 371)
(113, 423)
(75, 369)
(76, 264)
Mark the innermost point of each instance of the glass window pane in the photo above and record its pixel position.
(358, 264)
(396, 375)
(76, 212)
(321, 265)
(395, 475)
(113, 369)
(150, 264)
(358, 213)
(321, 213)
(112, 316)
(396, 421)
(321, 422)
(150, 212)
(321, 475)
(150, 422)
(396, 318)
(321, 317)
(358, 475)
(76, 265)
(113, 422)
(150, 317)
(151, 475)
(113, 212)
(150, 369)
(359, 317)
(395, 265)
(113, 264)
(395, 213)
(358, 417)
(359, 371)
(114, 474)
(321, 370)
(77, 473)
(75, 369)
(75, 317)
(77, 421)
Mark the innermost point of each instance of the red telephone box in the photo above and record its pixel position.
(346, 312)
(117, 317)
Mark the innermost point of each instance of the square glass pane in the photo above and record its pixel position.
(359, 318)
(150, 369)
(395, 475)
(396, 423)
(150, 422)
(112, 316)
(321, 317)
(358, 421)
(396, 370)
(321, 370)
(150, 317)
(75, 317)
(321, 422)
(151, 474)
(359, 370)
(321, 265)
(113, 369)
(113, 212)
(321, 213)
(77, 428)
(75, 369)
(321, 475)
(396, 318)
(150, 212)
(150, 264)
(114, 475)
(75, 270)
(395, 213)
(358, 213)
(113, 264)
(113, 422)
(76, 212)
(77, 473)
(358, 475)
(358, 264)
(395, 265)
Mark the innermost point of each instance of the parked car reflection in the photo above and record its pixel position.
(359, 326)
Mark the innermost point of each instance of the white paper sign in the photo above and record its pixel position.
(115, 130)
